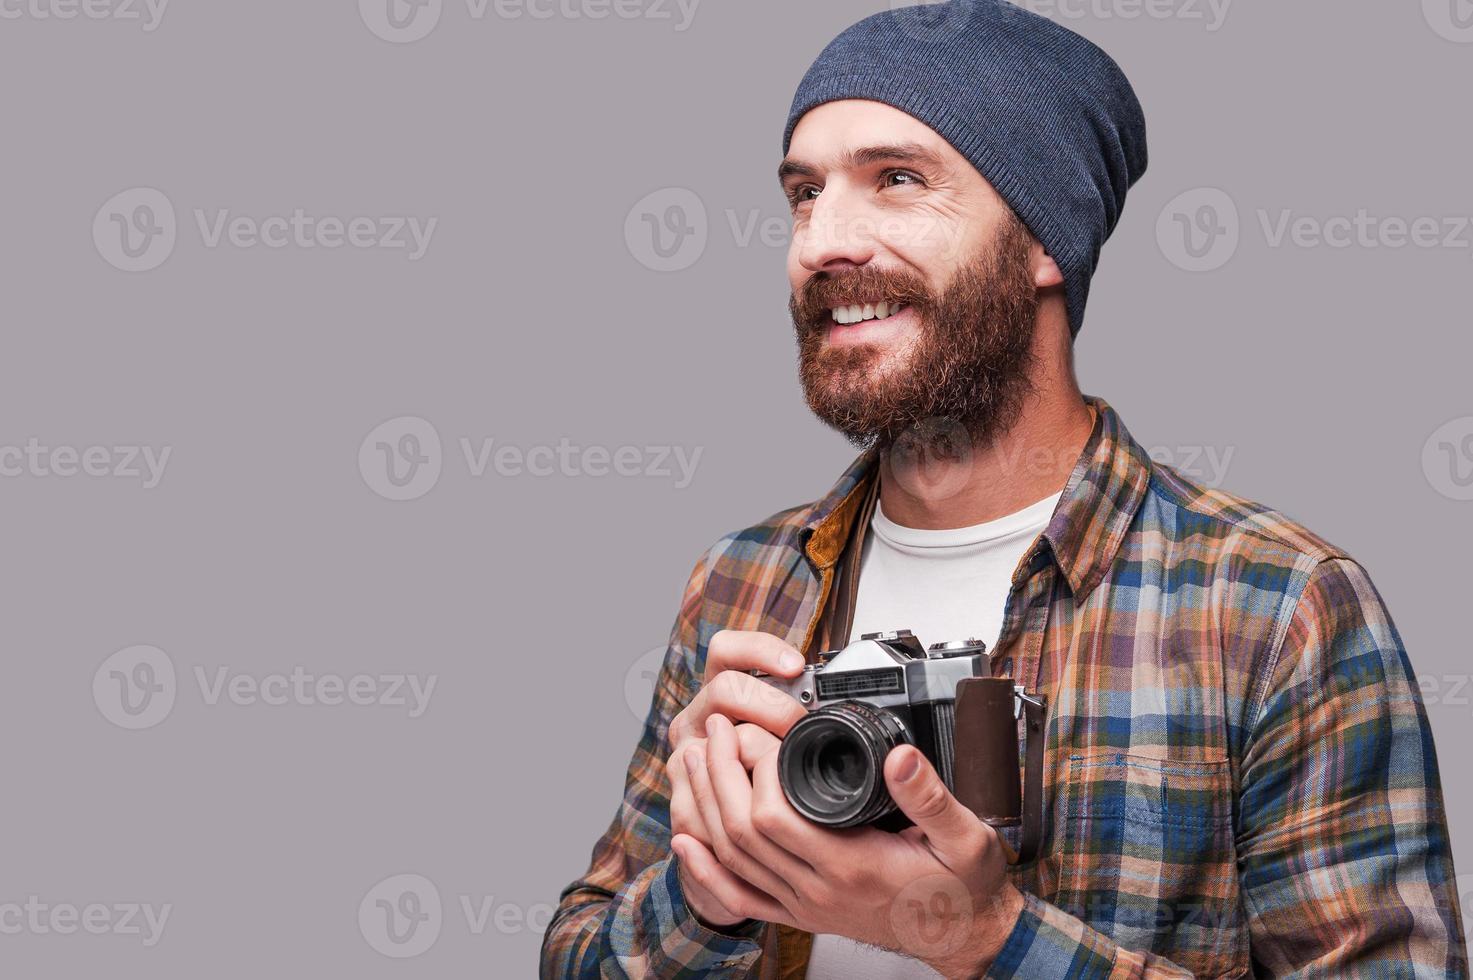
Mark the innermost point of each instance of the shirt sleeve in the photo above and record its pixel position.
(1344, 860)
(627, 917)
(1343, 848)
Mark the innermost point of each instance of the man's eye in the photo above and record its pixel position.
(802, 194)
(903, 176)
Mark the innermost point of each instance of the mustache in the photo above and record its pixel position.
(811, 302)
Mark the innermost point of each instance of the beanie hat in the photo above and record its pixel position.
(1046, 116)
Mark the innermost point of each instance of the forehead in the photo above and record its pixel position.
(828, 131)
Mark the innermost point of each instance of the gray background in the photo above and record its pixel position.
(1323, 371)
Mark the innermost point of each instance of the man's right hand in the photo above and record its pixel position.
(728, 689)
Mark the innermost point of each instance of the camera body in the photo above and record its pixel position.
(880, 691)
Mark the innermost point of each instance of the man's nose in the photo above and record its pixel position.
(836, 235)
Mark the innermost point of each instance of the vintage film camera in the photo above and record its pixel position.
(884, 690)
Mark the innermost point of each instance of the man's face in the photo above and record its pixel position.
(913, 282)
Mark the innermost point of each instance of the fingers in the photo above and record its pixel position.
(685, 817)
(741, 697)
(756, 743)
(952, 831)
(736, 897)
(732, 855)
(749, 650)
(732, 790)
(778, 821)
(708, 910)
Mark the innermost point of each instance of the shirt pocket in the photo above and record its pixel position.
(1148, 858)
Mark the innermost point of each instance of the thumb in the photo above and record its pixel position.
(917, 789)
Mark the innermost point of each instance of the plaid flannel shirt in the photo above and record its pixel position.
(1240, 776)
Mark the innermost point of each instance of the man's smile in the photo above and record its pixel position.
(870, 323)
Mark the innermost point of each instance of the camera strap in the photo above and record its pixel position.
(1034, 717)
(838, 618)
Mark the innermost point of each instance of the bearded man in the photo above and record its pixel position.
(1238, 776)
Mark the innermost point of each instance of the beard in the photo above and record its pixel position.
(966, 370)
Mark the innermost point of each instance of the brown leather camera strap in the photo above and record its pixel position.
(1035, 716)
(839, 617)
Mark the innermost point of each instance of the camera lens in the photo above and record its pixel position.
(831, 763)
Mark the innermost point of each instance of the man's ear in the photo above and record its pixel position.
(1045, 270)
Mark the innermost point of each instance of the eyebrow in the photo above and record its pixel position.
(864, 156)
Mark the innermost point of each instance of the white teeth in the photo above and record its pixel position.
(856, 312)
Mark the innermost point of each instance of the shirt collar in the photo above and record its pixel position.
(1099, 503)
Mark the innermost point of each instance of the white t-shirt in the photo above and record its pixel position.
(940, 585)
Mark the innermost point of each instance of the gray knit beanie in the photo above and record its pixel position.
(1048, 118)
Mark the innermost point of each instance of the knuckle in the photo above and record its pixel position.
(699, 873)
(819, 895)
(725, 851)
(740, 832)
(718, 649)
(767, 819)
(933, 799)
(721, 687)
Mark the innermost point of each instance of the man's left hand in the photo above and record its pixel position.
(937, 891)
